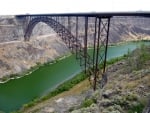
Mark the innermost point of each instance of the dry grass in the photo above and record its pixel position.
(146, 80)
(77, 89)
(131, 84)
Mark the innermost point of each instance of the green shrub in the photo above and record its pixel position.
(14, 112)
(87, 102)
(114, 60)
(131, 97)
(138, 58)
(137, 109)
(38, 63)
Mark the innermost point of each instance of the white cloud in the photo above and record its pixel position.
(64, 6)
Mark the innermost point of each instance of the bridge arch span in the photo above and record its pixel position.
(57, 27)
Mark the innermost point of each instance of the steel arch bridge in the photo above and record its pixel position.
(75, 29)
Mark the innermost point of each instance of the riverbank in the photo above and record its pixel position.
(19, 57)
(32, 69)
(125, 42)
(67, 86)
(126, 90)
(5, 79)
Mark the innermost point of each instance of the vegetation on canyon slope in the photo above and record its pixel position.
(135, 74)
(126, 90)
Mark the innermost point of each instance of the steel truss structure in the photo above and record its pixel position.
(77, 31)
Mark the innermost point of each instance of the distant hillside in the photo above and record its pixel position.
(129, 28)
(121, 28)
(19, 56)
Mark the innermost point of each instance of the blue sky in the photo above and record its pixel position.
(11, 7)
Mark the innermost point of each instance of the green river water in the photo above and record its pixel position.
(16, 92)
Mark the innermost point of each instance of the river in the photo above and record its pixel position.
(16, 92)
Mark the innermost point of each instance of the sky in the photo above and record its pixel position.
(13, 7)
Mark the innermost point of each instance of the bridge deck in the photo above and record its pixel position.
(94, 14)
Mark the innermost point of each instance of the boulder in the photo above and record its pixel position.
(108, 93)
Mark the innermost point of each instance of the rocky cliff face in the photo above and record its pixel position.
(9, 29)
(17, 55)
(129, 28)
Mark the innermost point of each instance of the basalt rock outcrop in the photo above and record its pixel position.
(45, 45)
